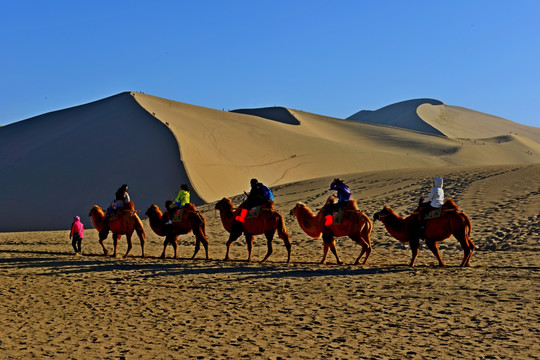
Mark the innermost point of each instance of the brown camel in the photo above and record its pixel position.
(123, 223)
(268, 221)
(192, 220)
(451, 222)
(354, 224)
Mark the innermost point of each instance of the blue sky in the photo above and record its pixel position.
(332, 58)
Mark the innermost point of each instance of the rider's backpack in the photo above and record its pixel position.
(268, 193)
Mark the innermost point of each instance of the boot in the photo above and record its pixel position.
(242, 217)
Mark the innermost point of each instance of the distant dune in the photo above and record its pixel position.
(434, 117)
(59, 164)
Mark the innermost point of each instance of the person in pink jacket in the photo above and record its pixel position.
(77, 234)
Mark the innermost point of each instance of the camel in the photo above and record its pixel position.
(124, 223)
(268, 221)
(451, 222)
(354, 224)
(191, 221)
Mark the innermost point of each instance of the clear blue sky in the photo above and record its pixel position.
(332, 58)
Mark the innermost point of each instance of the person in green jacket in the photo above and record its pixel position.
(181, 200)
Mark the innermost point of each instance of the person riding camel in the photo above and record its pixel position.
(434, 201)
(259, 195)
(344, 195)
(181, 200)
(121, 198)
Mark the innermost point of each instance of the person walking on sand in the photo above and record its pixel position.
(77, 234)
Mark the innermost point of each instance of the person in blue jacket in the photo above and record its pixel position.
(344, 195)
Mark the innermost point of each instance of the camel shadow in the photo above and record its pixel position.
(67, 264)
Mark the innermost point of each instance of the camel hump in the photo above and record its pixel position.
(450, 204)
(129, 206)
(353, 205)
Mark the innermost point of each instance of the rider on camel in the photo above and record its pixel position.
(434, 201)
(121, 198)
(255, 198)
(344, 195)
(181, 200)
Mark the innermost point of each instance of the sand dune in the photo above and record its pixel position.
(59, 164)
(434, 117)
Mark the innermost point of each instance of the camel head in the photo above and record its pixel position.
(295, 209)
(224, 205)
(383, 213)
(96, 211)
(153, 212)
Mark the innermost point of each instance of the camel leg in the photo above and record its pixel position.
(285, 237)
(200, 238)
(434, 247)
(334, 251)
(468, 248)
(330, 244)
(415, 245)
(269, 237)
(141, 238)
(165, 243)
(249, 241)
(471, 247)
(325, 252)
(130, 245)
(366, 248)
(115, 243)
(236, 231)
(174, 243)
(105, 251)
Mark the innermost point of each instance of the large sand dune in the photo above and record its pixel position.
(59, 164)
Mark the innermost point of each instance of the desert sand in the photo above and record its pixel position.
(56, 305)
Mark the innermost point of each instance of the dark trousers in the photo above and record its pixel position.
(76, 242)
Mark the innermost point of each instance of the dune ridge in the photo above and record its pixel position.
(62, 163)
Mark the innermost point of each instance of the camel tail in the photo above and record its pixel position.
(203, 222)
(281, 227)
(467, 223)
(139, 228)
(368, 225)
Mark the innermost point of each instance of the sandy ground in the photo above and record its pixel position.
(56, 305)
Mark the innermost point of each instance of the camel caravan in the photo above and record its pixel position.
(434, 220)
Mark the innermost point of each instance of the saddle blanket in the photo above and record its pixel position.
(254, 212)
(178, 215)
(433, 214)
(338, 216)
